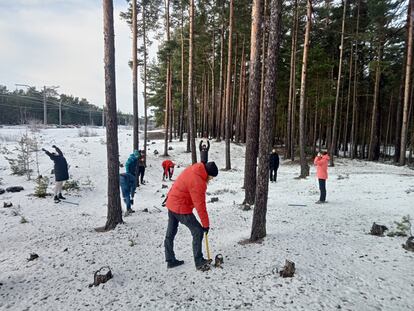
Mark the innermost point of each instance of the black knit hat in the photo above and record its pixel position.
(212, 169)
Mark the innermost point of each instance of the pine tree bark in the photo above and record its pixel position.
(221, 78)
(182, 76)
(253, 108)
(114, 215)
(353, 150)
(374, 139)
(338, 88)
(304, 167)
(267, 122)
(228, 89)
(144, 29)
(190, 85)
(167, 82)
(407, 87)
(135, 76)
(290, 152)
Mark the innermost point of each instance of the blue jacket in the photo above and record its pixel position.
(131, 164)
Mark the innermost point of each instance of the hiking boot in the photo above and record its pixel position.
(130, 210)
(320, 202)
(56, 198)
(61, 197)
(174, 263)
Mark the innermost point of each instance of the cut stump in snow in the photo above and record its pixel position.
(288, 270)
(7, 204)
(409, 244)
(218, 261)
(99, 278)
(214, 199)
(32, 257)
(378, 230)
(15, 189)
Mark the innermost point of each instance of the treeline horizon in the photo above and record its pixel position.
(20, 107)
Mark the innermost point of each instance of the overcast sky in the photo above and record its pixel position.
(60, 42)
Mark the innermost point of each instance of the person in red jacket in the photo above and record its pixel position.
(189, 192)
(321, 162)
(168, 169)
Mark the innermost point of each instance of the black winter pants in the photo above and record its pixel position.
(273, 174)
(141, 173)
(191, 222)
(322, 188)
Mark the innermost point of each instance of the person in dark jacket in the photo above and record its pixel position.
(141, 166)
(128, 185)
(60, 170)
(204, 151)
(273, 165)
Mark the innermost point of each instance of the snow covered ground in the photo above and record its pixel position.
(338, 264)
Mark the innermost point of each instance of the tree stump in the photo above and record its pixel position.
(378, 230)
(218, 261)
(101, 278)
(214, 199)
(288, 270)
(32, 257)
(409, 244)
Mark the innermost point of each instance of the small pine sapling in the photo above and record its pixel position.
(41, 187)
(403, 228)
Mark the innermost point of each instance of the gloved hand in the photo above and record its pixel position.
(206, 230)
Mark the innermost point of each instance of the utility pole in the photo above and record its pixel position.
(60, 113)
(46, 89)
(44, 106)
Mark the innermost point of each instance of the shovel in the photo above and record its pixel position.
(218, 260)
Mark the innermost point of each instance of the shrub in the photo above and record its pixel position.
(41, 187)
(71, 185)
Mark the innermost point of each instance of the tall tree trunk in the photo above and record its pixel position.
(221, 78)
(167, 82)
(400, 103)
(190, 85)
(144, 29)
(182, 75)
(135, 75)
(228, 89)
(338, 88)
(407, 86)
(290, 152)
(114, 215)
(267, 122)
(170, 103)
(253, 107)
(213, 89)
(304, 167)
(348, 103)
(354, 96)
(374, 139)
(388, 128)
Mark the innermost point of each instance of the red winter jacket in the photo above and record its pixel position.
(189, 192)
(167, 164)
(321, 164)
